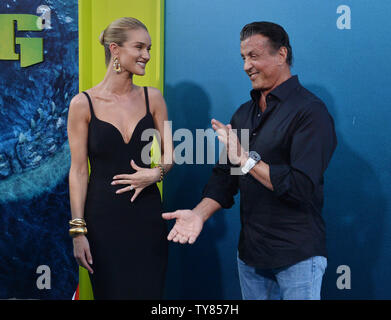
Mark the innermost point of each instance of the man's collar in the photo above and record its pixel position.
(281, 92)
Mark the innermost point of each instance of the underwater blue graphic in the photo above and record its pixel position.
(34, 156)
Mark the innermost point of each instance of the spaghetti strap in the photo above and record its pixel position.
(90, 103)
(146, 98)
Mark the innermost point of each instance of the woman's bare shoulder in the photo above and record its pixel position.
(156, 100)
(79, 105)
(154, 93)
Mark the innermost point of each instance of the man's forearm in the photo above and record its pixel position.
(206, 208)
(261, 172)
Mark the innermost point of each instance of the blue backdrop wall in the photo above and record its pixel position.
(346, 63)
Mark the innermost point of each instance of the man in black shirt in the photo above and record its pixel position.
(282, 245)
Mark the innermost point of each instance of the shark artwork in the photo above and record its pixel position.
(34, 155)
(38, 78)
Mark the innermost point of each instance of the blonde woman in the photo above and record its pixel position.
(117, 229)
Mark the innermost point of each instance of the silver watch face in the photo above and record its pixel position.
(254, 155)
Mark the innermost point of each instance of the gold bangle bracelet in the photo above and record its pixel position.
(161, 172)
(78, 222)
(77, 230)
(77, 225)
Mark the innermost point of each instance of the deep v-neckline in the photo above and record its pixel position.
(115, 127)
(119, 131)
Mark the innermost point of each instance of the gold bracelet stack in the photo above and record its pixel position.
(78, 226)
(162, 173)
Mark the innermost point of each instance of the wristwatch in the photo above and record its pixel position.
(253, 159)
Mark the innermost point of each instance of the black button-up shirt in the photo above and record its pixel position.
(295, 136)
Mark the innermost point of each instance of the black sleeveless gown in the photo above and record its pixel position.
(128, 241)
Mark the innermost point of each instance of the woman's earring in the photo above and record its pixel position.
(116, 65)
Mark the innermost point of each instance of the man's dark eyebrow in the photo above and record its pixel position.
(248, 54)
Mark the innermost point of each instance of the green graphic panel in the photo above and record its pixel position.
(31, 49)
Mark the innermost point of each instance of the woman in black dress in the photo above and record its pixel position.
(125, 248)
